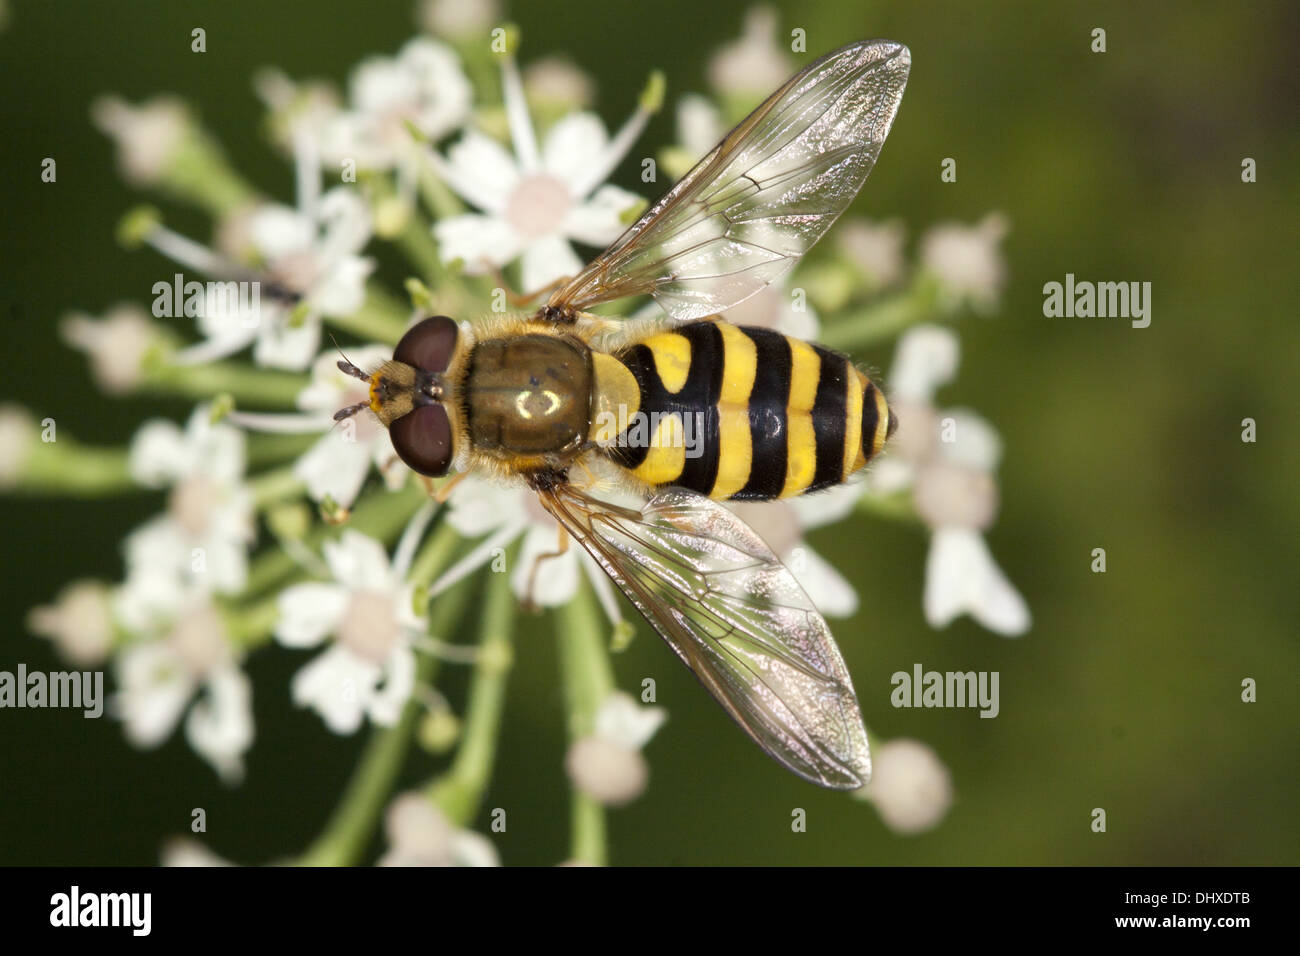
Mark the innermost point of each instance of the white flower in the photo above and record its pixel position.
(308, 252)
(309, 268)
(18, 433)
(186, 851)
(147, 136)
(553, 82)
(782, 525)
(369, 669)
(876, 249)
(79, 622)
(926, 358)
(337, 465)
(204, 536)
(967, 260)
(189, 654)
(537, 200)
(607, 764)
(755, 64)
(419, 834)
(500, 514)
(699, 125)
(956, 496)
(423, 85)
(910, 786)
(297, 110)
(458, 18)
(947, 458)
(116, 345)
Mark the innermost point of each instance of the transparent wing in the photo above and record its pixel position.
(736, 616)
(753, 206)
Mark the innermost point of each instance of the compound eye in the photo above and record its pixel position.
(429, 344)
(422, 438)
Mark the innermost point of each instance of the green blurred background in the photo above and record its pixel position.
(1125, 694)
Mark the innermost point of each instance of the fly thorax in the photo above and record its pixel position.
(529, 395)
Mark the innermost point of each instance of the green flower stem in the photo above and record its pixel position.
(252, 626)
(882, 320)
(381, 515)
(265, 450)
(274, 486)
(67, 467)
(432, 560)
(350, 828)
(246, 384)
(588, 680)
(198, 172)
(442, 202)
(380, 318)
(460, 791)
(898, 507)
(416, 241)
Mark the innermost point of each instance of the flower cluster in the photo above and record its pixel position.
(280, 527)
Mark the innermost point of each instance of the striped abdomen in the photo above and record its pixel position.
(747, 413)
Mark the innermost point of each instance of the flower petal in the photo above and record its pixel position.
(158, 454)
(278, 231)
(335, 467)
(926, 358)
(477, 240)
(385, 706)
(473, 849)
(599, 220)
(359, 561)
(573, 147)
(282, 345)
(961, 576)
(621, 720)
(548, 259)
(479, 506)
(481, 171)
(220, 724)
(308, 613)
(557, 577)
(830, 592)
(154, 689)
(336, 684)
(342, 290)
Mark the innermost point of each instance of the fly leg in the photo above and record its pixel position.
(440, 493)
(562, 547)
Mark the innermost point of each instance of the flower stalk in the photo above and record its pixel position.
(459, 792)
(588, 680)
(349, 830)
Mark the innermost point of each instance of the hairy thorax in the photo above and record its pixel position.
(529, 395)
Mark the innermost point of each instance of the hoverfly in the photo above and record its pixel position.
(529, 399)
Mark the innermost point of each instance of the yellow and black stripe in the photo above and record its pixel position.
(770, 416)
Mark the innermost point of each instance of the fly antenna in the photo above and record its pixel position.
(347, 368)
(344, 413)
